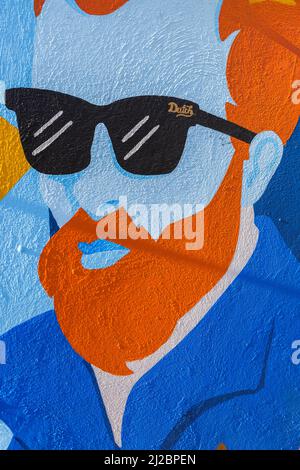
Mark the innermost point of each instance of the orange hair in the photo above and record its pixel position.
(260, 71)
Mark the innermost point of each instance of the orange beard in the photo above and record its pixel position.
(127, 311)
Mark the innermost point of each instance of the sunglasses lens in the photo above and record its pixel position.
(149, 133)
(56, 130)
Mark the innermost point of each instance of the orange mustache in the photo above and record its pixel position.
(127, 311)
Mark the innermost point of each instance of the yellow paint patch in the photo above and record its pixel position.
(13, 164)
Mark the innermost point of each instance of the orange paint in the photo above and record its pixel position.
(92, 7)
(38, 5)
(100, 7)
(263, 63)
(127, 311)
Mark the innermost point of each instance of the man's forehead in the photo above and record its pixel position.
(148, 47)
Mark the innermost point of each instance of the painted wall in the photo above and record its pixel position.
(149, 205)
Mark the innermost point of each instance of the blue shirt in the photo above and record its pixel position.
(231, 380)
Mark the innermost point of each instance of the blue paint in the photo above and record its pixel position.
(76, 7)
(231, 379)
(2, 353)
(197, 411)
(101, 254)
(19, 202)
(17, 22)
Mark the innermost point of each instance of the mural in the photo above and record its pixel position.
(149, 205)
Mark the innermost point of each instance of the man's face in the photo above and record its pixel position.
(168, 48)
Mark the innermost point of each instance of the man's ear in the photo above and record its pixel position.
(265, 155)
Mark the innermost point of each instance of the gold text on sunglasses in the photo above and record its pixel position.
(181, 111)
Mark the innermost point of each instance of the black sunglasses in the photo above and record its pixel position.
(148, 133)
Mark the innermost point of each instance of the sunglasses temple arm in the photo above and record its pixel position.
(225, 127)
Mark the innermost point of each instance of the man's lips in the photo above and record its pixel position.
(99, 246)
